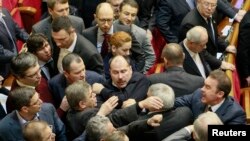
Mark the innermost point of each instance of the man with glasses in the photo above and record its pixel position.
(29, 107)
(100, 35)
(202, 16)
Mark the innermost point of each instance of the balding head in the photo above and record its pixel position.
(173, 55)
(104, 16)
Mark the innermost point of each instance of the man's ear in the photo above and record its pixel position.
(50, 11)
(221, 94)
(24, 109)
(82, 104)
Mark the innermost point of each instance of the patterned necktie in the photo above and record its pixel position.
(8, 31)
(105, 45)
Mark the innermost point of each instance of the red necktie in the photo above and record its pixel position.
(105, 45)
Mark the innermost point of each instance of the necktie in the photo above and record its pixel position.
(105, 45)
(47, 69)
(63, 52)
(190, 3)
(199, 64)
(8, 31)
(211, 28)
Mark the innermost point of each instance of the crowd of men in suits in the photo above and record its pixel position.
(84, 80)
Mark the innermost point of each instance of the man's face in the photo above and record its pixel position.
(121, 73)
(123, 50)
(48, 135)
(116, 7)
(104, 19)
(1, 4)
(210, 94)
(35, 104)
(199, 47)
(63, 39)
(32, 76)
(44, 53)
(207, 7)
(91, 101)
(128, 15)
(77, 72)
(59, 10)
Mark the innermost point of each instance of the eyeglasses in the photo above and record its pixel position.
(207, 4)
(106, 20)
(38, 101)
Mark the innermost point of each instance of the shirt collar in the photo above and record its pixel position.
(22, 121)
(110, 32)
(24, 85)
(192, 54)
(217, 106)
(72, 46)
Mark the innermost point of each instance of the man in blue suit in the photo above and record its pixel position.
(214, 95)
(29, 107)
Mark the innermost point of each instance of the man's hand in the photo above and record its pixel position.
(64, 104)
(128, 103)
(108, 106)
(227, 66)
(97, 88)
(155, 120)
(248, 81)
(152, 102)
(231, 49)
(240, 15)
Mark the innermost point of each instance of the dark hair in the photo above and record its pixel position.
(68, 59)
(21, 63)
(62, 22)
(51, 3)
(21, 96)
(173, 53)
(35, 42)
(224, 83)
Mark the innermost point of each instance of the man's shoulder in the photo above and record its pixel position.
(57, 78)
(90, 30)
(75, 19)
(41, 24)
(5, 122)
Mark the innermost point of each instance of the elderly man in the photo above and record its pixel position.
(202, 16)
(124, 83)
(197, 59)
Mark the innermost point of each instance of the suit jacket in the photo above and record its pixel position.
(137, 52)
(85, 49)
(136, 88)
(193, 18)
(169, 124)
(11, 130)
(243, 51)
(77, 120)
(180, 135)
(58, 84)
(7, 49)
(230, 112)
(181, 82)
(44, 26)
(209, 62)
(170, 14)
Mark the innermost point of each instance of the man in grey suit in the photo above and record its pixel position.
(175, 76)
(128, 12)
(57, 8)
(104, 17)
(29, 107)
(68, 40)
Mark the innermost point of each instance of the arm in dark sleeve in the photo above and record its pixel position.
(164, 15)
(213, 62)
(225, 7)
(95, 64)
(5, 55)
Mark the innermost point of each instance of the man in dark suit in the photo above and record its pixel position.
(82, 101)
(104, 17)
(3, 97)
(197, 59)
(170, 122)
(215, 95)
(124, 83)
(57, 8)
(73, 70)
(68, 40)
(28, 107)
(9, 33)
(175, 75)
(202, 16)
(243, 51)
(170, 13)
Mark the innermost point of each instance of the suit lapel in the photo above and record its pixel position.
(16, 129)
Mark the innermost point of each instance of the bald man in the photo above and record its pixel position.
(124, 83)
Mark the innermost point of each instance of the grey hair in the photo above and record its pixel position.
(195, 34)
